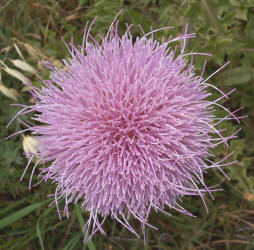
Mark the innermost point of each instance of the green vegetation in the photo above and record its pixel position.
(31, 30)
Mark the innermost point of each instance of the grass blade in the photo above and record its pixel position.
(81, 221)
(8, 220)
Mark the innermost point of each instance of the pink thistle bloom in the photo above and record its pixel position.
(126, 128)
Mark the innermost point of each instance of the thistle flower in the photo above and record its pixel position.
(126, 128)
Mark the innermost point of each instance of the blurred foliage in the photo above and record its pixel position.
(31, 30)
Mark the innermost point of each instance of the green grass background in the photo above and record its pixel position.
(224, 28)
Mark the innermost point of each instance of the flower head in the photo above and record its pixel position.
(126, 127)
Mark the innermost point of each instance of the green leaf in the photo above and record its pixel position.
(239, 173)
(39, 235)
(235, 76)
(72, 243)
(38, 225)
(7, 209)
(241, 13)
(81, 221)
(8, 220)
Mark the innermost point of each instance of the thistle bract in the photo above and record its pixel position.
(126, 128)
